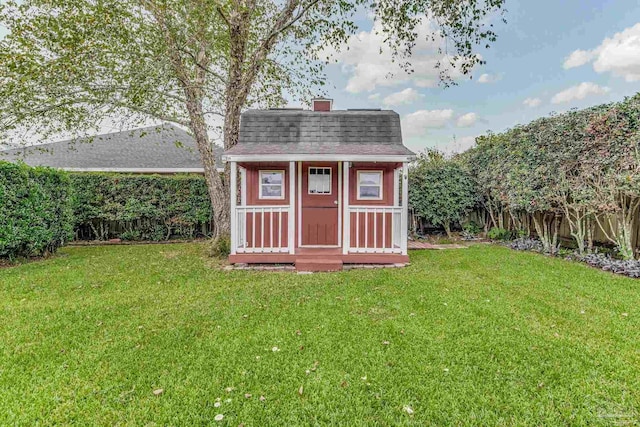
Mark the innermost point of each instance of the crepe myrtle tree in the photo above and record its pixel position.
(66, 65)
(613, 164)
(532, 180)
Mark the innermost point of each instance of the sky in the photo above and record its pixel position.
(551, 56)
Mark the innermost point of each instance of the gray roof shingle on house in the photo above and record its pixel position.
(161, 148)
(349, 132)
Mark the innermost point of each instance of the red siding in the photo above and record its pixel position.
(378, 230)
(253, 183)
(276, 228)
(387, 183)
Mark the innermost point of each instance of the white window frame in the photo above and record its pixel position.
(330, 180)
(381, 173)
(282, 186)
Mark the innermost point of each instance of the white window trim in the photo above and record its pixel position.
(330, 180)
(381, 172)
(260, 196)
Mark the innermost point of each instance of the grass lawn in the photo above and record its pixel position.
(480, 336)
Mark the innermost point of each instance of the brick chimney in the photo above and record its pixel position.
(321, 104)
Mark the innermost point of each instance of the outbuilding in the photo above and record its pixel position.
(319, 188)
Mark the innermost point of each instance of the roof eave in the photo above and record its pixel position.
(318, 157)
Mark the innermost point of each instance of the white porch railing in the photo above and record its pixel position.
(262, 229)
(375, 229)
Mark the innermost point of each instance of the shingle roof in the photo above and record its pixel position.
(155, 148)
(354, 132)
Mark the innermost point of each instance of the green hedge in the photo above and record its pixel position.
(35, 210)
(140, 207)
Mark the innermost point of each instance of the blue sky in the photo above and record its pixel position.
(528, 62)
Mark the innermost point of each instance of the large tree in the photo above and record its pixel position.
(67, 64)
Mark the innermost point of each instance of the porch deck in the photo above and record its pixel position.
(318, 254)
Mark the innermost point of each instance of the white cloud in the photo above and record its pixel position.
(418, 123)
(619, 55)
(467, 120)
(374, 97)
(369, 62)
(577, 58)
(406, 96)
(532, 102)
(489, 78)
(578, 92)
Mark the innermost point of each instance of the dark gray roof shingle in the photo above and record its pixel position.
(366, 132)
(162, 147)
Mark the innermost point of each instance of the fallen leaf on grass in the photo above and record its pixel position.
(158, 392)
(219, 417)
(247, 395)
(262, 398)
(301, 390)
(408, 410)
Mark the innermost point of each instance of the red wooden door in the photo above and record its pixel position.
(319, 204)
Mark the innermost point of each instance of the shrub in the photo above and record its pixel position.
(629, 268)
(472, 228)
(221, 247)
(497, 233)
(526, 244)
(35, 210)
(140, 207)
(441, 191)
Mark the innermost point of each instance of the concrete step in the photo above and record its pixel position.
(318, 264)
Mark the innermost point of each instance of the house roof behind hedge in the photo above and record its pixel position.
(351, 132)
(163, 148)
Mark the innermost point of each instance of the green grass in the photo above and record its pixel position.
(479, 336)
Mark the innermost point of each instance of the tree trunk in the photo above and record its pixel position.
(217, 186)
(547, 230)
(447, 228)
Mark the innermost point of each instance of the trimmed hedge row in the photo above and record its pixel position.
(140, 207)
(35, 210)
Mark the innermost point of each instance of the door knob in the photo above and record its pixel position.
(335, 202)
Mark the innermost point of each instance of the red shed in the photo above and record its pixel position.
(319, 188)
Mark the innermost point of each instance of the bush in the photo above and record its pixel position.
(526, 244)
(497, 233)
(472, 228)
(221, 247)
(35, 210)
(140, 207)
(629, 268)
(441, 191)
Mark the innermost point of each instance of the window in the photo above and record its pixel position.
(319, 180)
(369, 185)
(272, 184)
